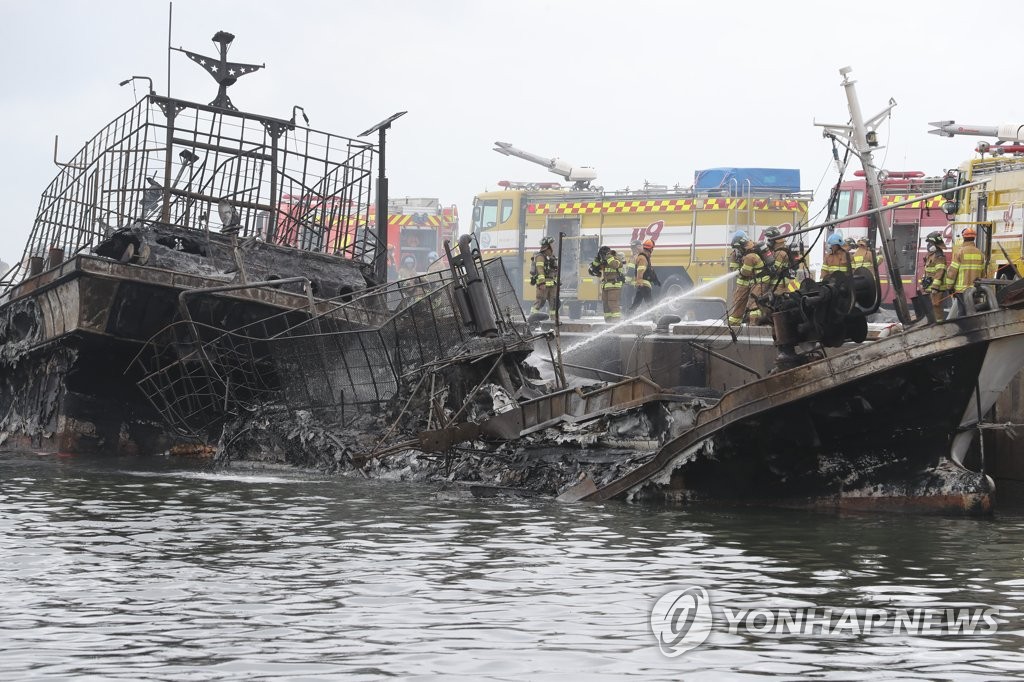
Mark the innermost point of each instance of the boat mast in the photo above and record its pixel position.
(862, 138)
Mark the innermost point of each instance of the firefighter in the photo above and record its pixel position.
(967, 265)
(736, 255)
(545, 270)
(598, 263)
(784, 261)
(837, 259)
(751, 283)
(643, 276)
(934, 272)
(408, 268)
(611, 286)
(861, 256)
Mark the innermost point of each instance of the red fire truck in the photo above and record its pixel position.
(417, 228)
(910, 223)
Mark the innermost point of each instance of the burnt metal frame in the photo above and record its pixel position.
(292, 185)
(336, 359)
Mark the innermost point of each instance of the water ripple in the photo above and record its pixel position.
(119, 571)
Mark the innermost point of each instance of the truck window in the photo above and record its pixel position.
(506, 210)
(858, 201)
(488, 214)
(843, 205)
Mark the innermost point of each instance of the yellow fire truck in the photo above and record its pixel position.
(691, 227)
(997, 207)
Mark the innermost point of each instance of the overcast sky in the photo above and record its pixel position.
(639, 90)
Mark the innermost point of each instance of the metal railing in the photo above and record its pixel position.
(353, 354)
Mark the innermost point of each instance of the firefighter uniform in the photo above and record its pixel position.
(546, 265)
(861, 257)
(611, 287)
(408, 268)
(836, 260)
(785, 282)
(751, 283)
(935, 270)
(644, 292)
(967, 265)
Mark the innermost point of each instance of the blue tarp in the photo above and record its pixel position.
(738, 181)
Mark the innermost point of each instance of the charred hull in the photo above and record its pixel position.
(68, 336)
(871, 428)
(878, 429)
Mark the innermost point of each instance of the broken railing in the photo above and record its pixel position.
(335, 359)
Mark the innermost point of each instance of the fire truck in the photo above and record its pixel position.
(995, 209)
(910, 223)
(417, 228)
(691, 227)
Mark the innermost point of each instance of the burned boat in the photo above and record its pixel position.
(162, 215)
(440, 390)
(429, 378)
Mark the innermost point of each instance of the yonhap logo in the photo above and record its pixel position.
(681, 620)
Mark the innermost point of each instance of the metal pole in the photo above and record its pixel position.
(863, 149)
(380, 263)
(271, 235)
(558, 304)
(981, 431)
(170, 17)
(165, 212)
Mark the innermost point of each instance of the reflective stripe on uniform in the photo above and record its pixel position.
(968, 265)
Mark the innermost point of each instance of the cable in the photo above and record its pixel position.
(888, 135)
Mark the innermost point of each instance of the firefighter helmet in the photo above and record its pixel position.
(546, 241)
(648, 244)
(970, 233)
(409, 260)
(739, 239)
(850, 241)
(935, 238)
(772, 233)
(834, 239)
(863, 241)
(637, 243)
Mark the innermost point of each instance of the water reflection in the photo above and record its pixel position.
(128, 569)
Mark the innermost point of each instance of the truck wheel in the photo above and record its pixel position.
(673, 287)
(575, 309)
